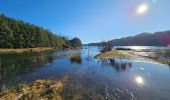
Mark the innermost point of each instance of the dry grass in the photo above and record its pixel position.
(128, 55)
(21, 50)
(39, 90)
(110, 54)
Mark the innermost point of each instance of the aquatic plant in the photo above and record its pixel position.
(42, 59)
(76, 58)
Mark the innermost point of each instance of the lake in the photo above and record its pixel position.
(89, 78)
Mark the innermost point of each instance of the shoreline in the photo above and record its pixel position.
(38, 49)
(22, 50)
(128, 55)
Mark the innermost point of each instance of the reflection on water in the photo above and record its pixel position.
(117, 65)
(139, 80)
(124, 79)
(13, 65)
(89, 56)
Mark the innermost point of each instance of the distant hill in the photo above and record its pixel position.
(143, 39)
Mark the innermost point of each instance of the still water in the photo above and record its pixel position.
(89, 78)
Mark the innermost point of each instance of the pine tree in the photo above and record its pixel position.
(18, 34)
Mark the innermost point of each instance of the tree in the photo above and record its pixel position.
(105, 46)
(76, 42)
(18, 34)
(5, 37)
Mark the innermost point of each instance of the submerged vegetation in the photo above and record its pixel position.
(39, 90)
(75, 59)
(42, 58)
(15, 64)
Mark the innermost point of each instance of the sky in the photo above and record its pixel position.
(92, 20)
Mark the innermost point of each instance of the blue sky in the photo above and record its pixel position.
(91, 20)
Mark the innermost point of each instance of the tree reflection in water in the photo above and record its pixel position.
(76, 59)
(116, 65)
(14, 65)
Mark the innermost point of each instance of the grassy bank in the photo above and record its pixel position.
(21, 50)
(111, 54)
(128, 55)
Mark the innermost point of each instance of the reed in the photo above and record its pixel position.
(21, 50)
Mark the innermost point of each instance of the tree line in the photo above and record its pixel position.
(18, 34)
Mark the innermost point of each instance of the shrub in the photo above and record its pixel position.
(106, 46)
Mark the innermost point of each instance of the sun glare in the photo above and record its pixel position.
(139, 80)
(142, 9)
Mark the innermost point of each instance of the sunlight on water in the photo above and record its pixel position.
(139, 80)
(87, 77)
(141, 47)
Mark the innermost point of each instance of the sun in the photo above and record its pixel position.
(142, 9)
(139, 80)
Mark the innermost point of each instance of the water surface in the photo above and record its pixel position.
(143, 47)
(89, 78)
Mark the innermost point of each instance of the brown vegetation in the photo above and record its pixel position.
(39, 90)
(110, 54)
(128, 55)
(2, 50)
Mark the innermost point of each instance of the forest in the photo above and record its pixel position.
(19, 34)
